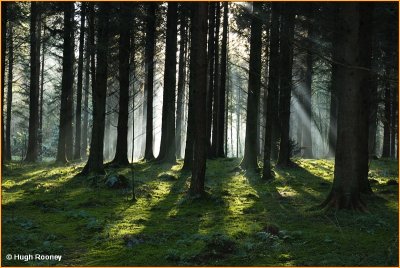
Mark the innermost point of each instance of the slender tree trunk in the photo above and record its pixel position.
(345, 192)
(222, 88)
(4, 7)
(167, 146)
(32, 150)
(85, 126)
(149, 82)
(199, 51)
(217, 84)
(95, 161)
(64, 150)
(249, 161)
(121, 154)
(386, 121)
(181, 82)
(393, 120)
(272, 90)
(211, 65)
(40, 135)
(78, 114)
(9, 89)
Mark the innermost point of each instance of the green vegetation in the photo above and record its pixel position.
(242, 221)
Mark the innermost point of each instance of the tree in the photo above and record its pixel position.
(167, 146)
(78, 114)
(249, 161)
(32, 151)
(287, 32)
(199, 43)
(121, 154)
(181, 80)
(270, 104)
(345, 191)
(3, 65)
(64, 150)
(9, 89)
(95, 161)
(211, 65)
(149, 82)
(85, 126)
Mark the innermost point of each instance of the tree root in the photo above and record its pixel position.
(338, 201)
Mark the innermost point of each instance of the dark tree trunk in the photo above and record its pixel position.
(345, 192)
(217, 83)
(270, 105)
(85, 126)
(9, 89)
(249, 161)
(149, 82)
(121, 154)
(285, 84)
(32, 150)
(64, 150)
(222, 88)
(95, 161)
(181, 82)
(188, 160)
(393, 120)
(3, 65)
(373, 108)
(211, 62)
(78, 113)
(199, 41)
(40, 135)
(386, 121)
(167, 146)
(307, 138)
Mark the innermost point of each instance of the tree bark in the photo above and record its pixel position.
(4, 8)
(181, 81)
(121, 154)
(285, 84)
(214, 143)
(249, 161)
(85, 126)
(78, 113)
(149, 82)
(199, 51)
(211, 65)
(270, 105)
(9, 89)
(40, 135)
(167, 147)
(95, 161)
(32, 150)
(345, 191)
(64, 150)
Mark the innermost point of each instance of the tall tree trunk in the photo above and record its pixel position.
(149, 82)
(32, 150)
(211, 62)
(249, 161)
(222, 88)
(85, 126)
(387, 112)
(9, 89)
(199, 51)
(270, 104)
(167, 146)
(345, 192)
(95, 161)
(307, 138)
(393, 119)
(121, 154)
(64, 150)
(3, 65)
(217, 84)
(181, 82)
(40, 135)
(286, 84)
(78, 113)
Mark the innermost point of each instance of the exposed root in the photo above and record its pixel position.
(338, 201)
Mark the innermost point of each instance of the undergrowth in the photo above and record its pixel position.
(243, 220)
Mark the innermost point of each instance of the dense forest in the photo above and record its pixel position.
(205, 133)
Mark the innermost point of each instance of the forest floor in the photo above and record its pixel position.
(244, 221)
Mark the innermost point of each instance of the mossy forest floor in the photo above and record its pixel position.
(242, 220)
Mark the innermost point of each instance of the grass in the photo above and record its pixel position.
(242, 220)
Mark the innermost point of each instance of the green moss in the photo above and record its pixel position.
(46, 209)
